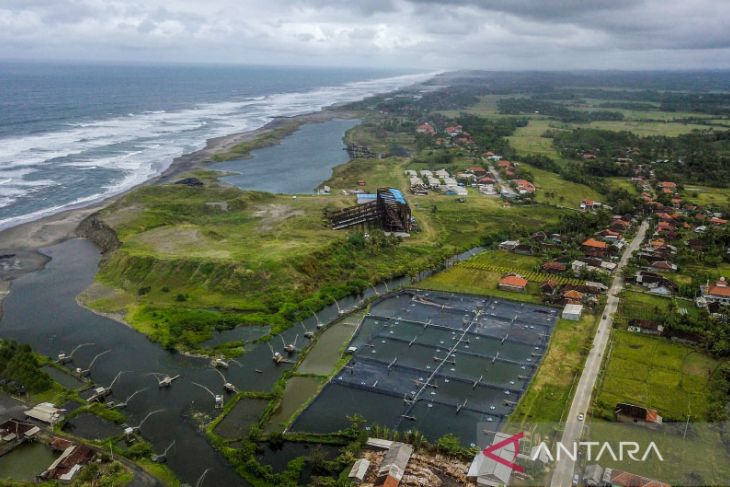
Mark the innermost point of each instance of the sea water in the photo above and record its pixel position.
(74, 134)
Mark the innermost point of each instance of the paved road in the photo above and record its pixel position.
(563, 473)
(505, 188)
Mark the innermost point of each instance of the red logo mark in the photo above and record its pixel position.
(490, 451)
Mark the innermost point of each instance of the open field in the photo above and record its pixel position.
(623, 183)
(197, 258)
(549, 394)
(561, 192)
(655, 373)
(465, 279)
(706, 195)
(646, 306)
(529, 139)
(669, 129)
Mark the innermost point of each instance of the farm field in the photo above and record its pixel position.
(549, 394)
(646, 306)
(552, 189)
(530, 140)
(655, 373)
(706, 195)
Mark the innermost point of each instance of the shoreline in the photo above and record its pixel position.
(20, 244)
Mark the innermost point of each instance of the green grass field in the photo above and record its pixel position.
(549, 394)
(561, 192)
(479, 275)
(645, 306)
(655, 373)
(706, 195)
(530, 140)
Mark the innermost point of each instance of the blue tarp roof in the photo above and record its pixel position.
(398, 195)
(365, 197)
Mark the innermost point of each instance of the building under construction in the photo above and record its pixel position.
(388, 210)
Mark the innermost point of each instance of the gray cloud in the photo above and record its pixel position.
(493, 34)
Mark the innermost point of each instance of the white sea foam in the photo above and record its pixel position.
(137, 146)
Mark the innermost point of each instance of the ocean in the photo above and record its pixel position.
(74, 134)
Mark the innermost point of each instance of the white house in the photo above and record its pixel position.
(572, 312)
(486, 471)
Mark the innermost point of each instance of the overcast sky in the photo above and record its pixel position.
(420, 34)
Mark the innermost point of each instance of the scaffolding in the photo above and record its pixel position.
(389, 211)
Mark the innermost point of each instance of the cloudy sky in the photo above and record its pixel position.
(445, 34)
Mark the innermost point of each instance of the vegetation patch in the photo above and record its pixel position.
(655, 373)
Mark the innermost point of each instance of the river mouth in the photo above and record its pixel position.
(297, 164)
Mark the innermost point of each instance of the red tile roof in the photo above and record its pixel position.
(591, 242)
(719, 288)
(514, 281)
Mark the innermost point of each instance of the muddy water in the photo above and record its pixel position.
(26, 461)
(66, 380)
(297, 391)
(238, 421)
(41, 310)
(324, 354)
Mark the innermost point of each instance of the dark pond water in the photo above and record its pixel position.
(93, 427)
(26, 461)
(60, 324)
(42, 311)
(237, 422)
(66, 380)
(296, 165)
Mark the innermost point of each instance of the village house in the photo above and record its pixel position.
(587, 205)
(572, 312)
(554, 267)
(13, 433)
(571, 296)
(488, 472)
(45, 412)
(663, 265)
(655, 283)
(609, 235)
(359, 470)
(630, 413)
(466, 177)
(426, 128)
(476, 170)
(504, 164)
(595, 248)
(513, 282)
(648, 327)
(549, 287)
(524, 186)
(619, 478)
(508, 245)
(454, 130)
(619, 225)
(71, 461)
(717, 292)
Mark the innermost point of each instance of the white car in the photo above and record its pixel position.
(581, 417)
